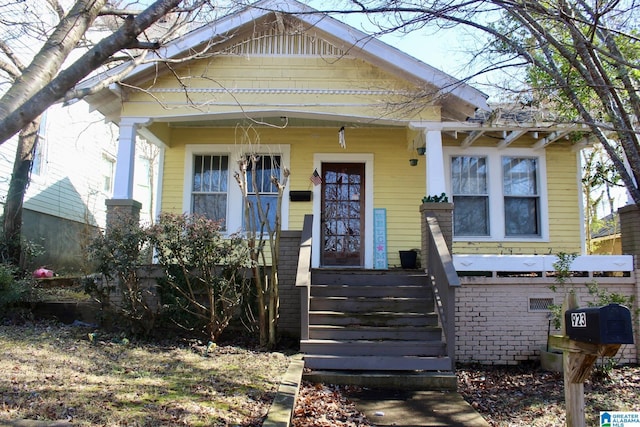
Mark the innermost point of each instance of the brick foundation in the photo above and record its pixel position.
(495, 324)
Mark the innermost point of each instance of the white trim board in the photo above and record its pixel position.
(367, 159)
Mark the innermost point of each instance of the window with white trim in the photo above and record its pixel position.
(210, 186)
(521, 197)
(497, 194)
(470, 195)
(108, 170)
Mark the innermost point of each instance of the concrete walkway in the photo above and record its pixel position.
(383, 407)
(413, 408)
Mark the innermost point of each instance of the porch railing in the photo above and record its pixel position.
(444, 281)
(616, 268)
(303, 275)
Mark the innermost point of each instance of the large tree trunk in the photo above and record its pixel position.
(12, 218)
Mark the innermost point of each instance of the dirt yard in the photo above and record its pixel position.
(53, 372)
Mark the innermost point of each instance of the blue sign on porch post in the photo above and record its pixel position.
(380, 239)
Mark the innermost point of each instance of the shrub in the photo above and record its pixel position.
(205, 281)
(13, 291)
(119, 257)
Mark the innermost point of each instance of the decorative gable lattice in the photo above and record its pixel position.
(285, 42)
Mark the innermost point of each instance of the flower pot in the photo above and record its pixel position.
(408, 259)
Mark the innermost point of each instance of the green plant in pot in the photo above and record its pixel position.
(442, 198)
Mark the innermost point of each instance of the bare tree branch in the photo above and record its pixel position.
(22, 109)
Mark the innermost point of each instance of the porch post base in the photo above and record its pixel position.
(119, 209)
(444, 214)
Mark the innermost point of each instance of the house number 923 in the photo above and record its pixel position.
(578, 320)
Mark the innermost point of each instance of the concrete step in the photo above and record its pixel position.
(372, 348)
(337, 332)
(377, 363)
(397, 380)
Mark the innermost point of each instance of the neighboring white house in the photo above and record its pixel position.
(72, 175)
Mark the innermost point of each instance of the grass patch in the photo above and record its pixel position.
(51, 372)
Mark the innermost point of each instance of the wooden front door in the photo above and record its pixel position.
(342, 214)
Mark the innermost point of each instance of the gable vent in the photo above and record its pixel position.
(272, 42)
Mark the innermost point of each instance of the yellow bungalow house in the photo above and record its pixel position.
(328, 102)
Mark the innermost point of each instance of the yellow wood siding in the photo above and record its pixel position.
(398, 186)
(322, 85)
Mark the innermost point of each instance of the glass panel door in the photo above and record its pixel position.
(342, 214)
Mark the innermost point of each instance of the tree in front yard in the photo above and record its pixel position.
(262, 180)
(46, 49)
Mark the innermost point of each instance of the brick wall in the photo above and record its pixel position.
(495, 324)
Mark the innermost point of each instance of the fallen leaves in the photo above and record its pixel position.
(506, 396)
(321, 405)
(52, 372)
(527, 395)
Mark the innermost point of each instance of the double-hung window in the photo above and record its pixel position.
(210, 186)
(260, 185)
(497, 194)
(470, 195)
(521, 197)
(108, 170)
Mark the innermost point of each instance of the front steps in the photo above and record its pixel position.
(375, 321)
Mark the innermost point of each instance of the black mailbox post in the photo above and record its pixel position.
(608, 324)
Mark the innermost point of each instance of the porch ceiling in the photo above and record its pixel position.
(513, 124)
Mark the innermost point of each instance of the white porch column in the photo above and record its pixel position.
(125, 162)
(434, 159)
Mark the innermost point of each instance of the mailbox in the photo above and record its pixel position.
(608, 324)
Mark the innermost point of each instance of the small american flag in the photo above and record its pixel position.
(315, 178)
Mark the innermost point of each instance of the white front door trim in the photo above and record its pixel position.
(367, 159)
